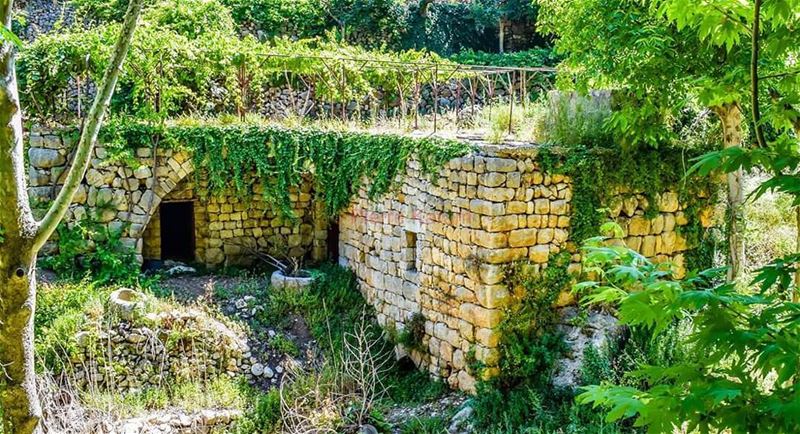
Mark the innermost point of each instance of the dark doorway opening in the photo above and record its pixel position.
(177, 231)
(333, 240)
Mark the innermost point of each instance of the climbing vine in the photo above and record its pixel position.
(601, 172)
(337, 162)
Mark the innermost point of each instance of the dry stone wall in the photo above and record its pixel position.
(438, 248)
(125, 194)
(434, 248)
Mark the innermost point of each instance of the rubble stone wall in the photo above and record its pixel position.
(438, 247)
(125, 195)
(433, 248)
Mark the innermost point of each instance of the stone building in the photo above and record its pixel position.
(433, 248)
(438, 248)
(165, 212)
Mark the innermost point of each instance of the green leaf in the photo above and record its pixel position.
(7, 35)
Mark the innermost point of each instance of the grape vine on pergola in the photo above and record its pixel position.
(477, 83)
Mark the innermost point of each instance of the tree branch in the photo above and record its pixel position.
(756, 109)
(780, 74)
(91, 128)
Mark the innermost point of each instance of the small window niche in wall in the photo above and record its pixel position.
(410, 251)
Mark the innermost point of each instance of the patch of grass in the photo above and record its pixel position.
(62, 309)
(409, 385)
(222, 392)
(771, 230)
(284, 345)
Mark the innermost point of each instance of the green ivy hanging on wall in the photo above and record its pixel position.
(233, 157)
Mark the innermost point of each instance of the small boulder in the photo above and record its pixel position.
(257, 369)
(460, 422)
(126, 302)
(45, 158)
(368, 429)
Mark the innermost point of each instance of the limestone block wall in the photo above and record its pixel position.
(438, 247)
(125, 195)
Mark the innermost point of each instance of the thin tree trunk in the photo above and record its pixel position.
(501, 35)
(731, 117)
(21, 410)
(23, 236)
(796, 292)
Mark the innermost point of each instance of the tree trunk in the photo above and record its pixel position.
(501, 35)
(731, 117)
(22, 236)
(21, 410)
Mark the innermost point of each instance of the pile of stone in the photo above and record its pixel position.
(139, 349)
(42, 16)
(178, 422)
(280, 102)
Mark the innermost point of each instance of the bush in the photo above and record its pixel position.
(300, 18)
(191, 18)
(88, 247)
(533, 57)
(100, 11)
(742, 374)
(521, 397)
(61, 311)
(448, 28)
(267, 411)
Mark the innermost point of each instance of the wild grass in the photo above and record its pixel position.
(488, 122)
(191, 396)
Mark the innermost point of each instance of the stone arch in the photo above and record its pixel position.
(126, 195)
(170, 181)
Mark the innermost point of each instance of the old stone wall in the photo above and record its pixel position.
(437, 247)
(126, 194)
(432, 250)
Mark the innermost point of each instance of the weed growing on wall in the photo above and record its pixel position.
(414, 331)
(338, 162)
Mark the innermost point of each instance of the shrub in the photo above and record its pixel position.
(300, 18)
(448, 28)
(191, 18)
(743, 372)
(100, 11)
(284, 345)
(61, 311)
(88, 247)
(541, 56)
(521, 397)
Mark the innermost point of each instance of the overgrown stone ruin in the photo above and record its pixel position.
(433, 248)
(143, 343)
(438, 247)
